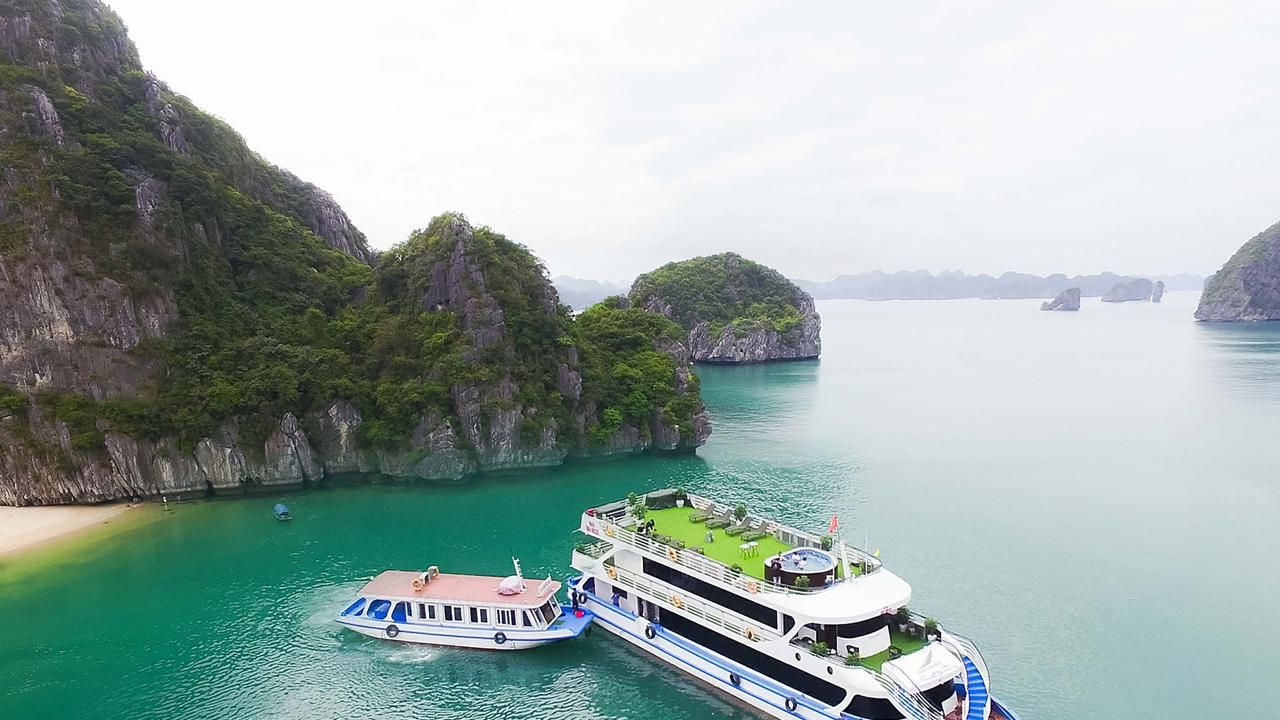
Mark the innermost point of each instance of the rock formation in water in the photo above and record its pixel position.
(1132, 291)
(1157, 292)
(1068, 299)
(735, 310)
(1248, 285)
(179, 317)
(952, 285)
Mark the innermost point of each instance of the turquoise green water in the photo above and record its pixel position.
(1092, 497)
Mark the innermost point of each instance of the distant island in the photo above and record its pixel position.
(1248, 285)
(1067, 301)
(580, 294)
(735, 310)
(955, 285)
(1136, 290)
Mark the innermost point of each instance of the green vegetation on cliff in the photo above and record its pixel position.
(625, 375)
(724, 289)
(269, 309)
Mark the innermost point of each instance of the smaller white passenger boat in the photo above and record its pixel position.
(474, 611)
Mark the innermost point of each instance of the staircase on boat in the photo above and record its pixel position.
(976, 684)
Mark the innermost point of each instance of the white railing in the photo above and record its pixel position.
(788, 534)
(685, 603)
(965, 646)
(695, 561)
(908, 701)
(906, 695)
(594, 550)
(692, 560)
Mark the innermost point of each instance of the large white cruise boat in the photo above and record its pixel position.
(790, 623)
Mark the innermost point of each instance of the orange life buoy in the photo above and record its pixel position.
(749, 632)
(671, 553)
(677, 601)
(608, 530)
(418, 584)
(753, 586)
(613, 572)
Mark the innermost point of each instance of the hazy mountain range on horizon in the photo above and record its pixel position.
(579, 293)
(954, 285)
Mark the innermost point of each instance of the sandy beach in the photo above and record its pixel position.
(23, 528)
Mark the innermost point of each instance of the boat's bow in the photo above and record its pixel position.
(571, 622)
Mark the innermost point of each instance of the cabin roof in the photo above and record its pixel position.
(469, 589)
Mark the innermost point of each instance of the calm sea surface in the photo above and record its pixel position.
(1093, 497)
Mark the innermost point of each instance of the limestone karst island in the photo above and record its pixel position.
(479, 361)
(734, 310)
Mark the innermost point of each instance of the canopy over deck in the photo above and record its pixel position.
(926, 668)
(467, 589)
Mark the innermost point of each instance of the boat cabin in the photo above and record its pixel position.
(458, 600)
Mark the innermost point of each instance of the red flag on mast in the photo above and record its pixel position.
(835, 525)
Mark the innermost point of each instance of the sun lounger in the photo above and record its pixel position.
(701, 516)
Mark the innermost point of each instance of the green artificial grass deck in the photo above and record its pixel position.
(674, 522)
(906, 643)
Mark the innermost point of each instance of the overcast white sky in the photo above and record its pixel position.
(818, 138)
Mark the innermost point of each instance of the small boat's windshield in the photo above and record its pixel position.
(549, 611)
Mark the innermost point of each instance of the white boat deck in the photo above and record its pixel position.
(464, 589)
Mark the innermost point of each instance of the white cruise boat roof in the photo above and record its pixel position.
(467, 589)
(862, 597)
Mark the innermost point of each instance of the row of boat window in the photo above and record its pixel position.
(782, 671)
(403, 611)
(714, 593)
(749, 608)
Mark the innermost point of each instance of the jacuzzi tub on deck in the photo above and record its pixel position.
(817, 565)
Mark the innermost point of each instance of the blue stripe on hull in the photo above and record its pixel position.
(717, 680)
(978, 687)
(570, 627)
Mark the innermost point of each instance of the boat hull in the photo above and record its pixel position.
(758, 693)
(471, 637)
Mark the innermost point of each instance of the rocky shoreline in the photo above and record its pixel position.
(144, 470)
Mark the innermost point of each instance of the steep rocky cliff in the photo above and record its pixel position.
(178, 316)
(735, 310)
(1248, 285)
